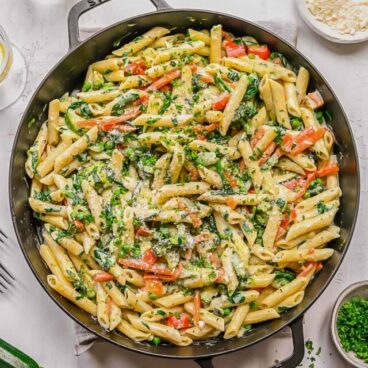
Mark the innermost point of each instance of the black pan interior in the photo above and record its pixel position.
(68, 75)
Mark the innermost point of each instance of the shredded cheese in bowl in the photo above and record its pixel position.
(344, 16)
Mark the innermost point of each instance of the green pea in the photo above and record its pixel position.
(153, 296)
(90, 293)
(156, 341)
(126, 247)
(122, 253)
(109, 145)
(226, 311)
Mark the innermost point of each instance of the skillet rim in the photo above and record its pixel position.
(267, 335)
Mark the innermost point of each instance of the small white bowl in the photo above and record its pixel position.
(325, 30)
(359, 289)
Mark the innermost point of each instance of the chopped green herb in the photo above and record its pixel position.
(352, 327)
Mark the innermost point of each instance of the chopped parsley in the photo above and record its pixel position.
(352, 327)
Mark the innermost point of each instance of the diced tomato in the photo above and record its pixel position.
(233, 49)
(163, 81)
(295, 183)
(103, 277)
(193, 67)
(260, 50)
(232, 181)
(231, 202)
(154, 286)
(149, 257)
(286, 221)
(206, 78)
(142, 231)
(179, 323)
(329, 169)
(136, 67)
(221, 101)
(79, 225)
(197, 307)
(227, 36)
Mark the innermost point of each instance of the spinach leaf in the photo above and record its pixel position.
(122, 101)
(253, 87)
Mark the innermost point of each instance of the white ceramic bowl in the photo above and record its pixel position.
(325, 30)
(359, 289)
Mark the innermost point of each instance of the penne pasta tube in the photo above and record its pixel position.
(261, 315)
(283, 292)
(236, 321)
(141, 42)
(69, 293)
(312, 224)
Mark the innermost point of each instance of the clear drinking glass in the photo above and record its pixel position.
(13, 72)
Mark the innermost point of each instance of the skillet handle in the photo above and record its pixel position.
(84, 6)
(204, 362)
(290, 362)
(298, 342)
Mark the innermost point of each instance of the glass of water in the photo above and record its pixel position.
(13, 71)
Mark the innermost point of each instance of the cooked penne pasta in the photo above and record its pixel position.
(188, 189)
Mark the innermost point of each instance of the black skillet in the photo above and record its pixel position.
(68, 74)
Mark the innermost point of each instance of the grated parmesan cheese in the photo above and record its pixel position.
(344, 16)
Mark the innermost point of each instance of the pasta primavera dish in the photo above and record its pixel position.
(189, 189)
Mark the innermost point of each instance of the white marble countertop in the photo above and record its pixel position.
(29, 319)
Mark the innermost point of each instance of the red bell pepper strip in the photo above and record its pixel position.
(260, 50)
(149, 257)
(136, 67)
(179, 323)
(226, 36)
(154, 286)
(220, 102)
(163, 81)
(197, 307)
(112, 123)
(103, 277)
(142, 231)
(329, 169)
(233, 49)
(307, 141)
